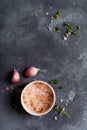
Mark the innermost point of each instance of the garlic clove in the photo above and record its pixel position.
(15, 77)
(31, 72)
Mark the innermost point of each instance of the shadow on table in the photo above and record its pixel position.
(9, 77)
(15, 97)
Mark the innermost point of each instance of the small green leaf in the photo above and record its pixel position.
(69, 30)
(51, 81)
(78, 27)
(74, 32)
(56, 107)
(57, 15)
(56, 81)
(60, 87)
(58, 12)
(57, 29)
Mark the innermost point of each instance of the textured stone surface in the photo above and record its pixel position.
(26, 41)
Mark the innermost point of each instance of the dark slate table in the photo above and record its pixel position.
(25, 40)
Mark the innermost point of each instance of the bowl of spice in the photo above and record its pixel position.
(38, 98)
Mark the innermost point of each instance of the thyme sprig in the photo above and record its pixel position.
(61, 111)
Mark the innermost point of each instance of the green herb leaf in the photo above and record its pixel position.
(57, 15)
(74, 32)
(57, 29)
(58, 12)
(78, 27)
(60, 87)
(51, 81)
(69, 30)
(56, 107)
(56, 81)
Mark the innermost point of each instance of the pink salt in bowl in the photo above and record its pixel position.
(38, 98)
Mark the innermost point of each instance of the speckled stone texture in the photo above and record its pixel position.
(25, 40)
